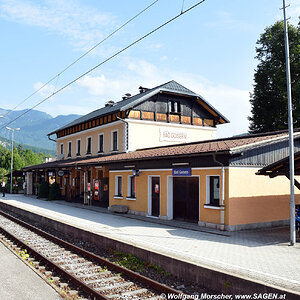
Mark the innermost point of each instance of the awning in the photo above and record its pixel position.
(16, 173)
(282, 168)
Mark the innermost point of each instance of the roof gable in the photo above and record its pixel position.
(128, 103)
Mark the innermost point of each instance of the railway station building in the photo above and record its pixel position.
(155, 154)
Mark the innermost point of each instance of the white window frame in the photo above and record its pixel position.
(86, 148)
(112, 140)
(77, 152)
(208, 205)
(61, 151)
(129, 195)
(117, 195)
(100, 134)
(150, 195)
(69, 152)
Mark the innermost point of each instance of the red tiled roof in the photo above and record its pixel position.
(220, 145)
(210, 146)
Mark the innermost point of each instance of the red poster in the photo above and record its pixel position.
(156, 188)
(96, 185)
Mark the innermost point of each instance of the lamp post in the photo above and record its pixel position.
(12, 154)
(291, 130)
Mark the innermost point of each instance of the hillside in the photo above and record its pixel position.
(6, 143)
(34, 127)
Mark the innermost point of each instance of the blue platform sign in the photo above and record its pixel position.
(181, 172)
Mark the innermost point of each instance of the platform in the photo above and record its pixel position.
(18, 281)
(261, 255)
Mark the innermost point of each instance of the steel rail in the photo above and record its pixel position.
(159, 287)
(90, 291)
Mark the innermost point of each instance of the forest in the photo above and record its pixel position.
(21, 158)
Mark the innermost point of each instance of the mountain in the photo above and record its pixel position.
(6, 143)
(34, 127)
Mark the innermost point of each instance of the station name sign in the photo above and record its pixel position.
(181, 172)
(173, 135)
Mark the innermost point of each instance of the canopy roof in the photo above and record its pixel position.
(282, 168)
(225, 145)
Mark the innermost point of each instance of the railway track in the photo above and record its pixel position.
(92, 277)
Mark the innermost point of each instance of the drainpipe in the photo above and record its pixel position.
(222, 217)
(125, 133)
(51, 138)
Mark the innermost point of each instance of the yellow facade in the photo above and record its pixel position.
(140, 205)
(256, 199)
(145, 134)
(94, 133)
(141, 134)
(248, 198)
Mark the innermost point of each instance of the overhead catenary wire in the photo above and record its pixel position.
(106, 60)
(82, 56)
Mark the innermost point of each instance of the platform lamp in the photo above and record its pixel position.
(12, 154)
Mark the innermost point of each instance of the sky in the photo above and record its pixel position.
(210, 50)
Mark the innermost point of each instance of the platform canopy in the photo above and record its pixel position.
(282, 167)
(16, 173)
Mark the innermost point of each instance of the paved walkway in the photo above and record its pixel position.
(263, 255)
(18, 281)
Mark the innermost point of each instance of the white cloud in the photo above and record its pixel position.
(99, 85)
(45, 91)
(82, 25)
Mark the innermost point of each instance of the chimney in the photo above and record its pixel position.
(143, 89)
(109, 103)
(126, 96)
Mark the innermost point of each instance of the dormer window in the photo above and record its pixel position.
(174, 107)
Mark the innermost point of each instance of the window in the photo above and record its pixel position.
(213, 190)
(89, 145)
(131, 187)
(61, 154)
(174, 107)
(118, 186)
(101, 143)
(115, 141)
(69, 149)
(78, 148)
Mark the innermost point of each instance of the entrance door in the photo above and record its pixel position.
(155, 195)
(186, 198)
(104, 192)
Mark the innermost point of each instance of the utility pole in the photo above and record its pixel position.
(291, 137)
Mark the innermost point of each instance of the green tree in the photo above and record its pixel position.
(269, 98)
(30, 158)
(5, 158)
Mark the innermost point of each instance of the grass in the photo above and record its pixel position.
(135, 264)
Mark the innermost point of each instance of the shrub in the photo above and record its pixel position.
(54, 191)
(43, 190)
